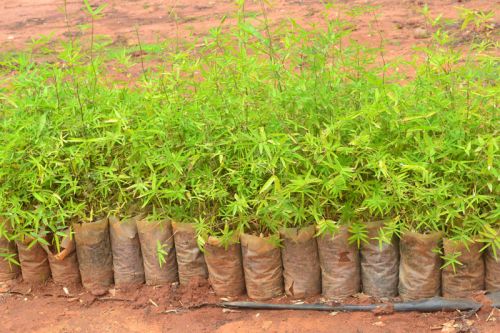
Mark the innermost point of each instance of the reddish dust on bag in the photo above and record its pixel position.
(190, 260)
(127, 258)
(64, 264)
(379, 264)
(301, 269)
(225, 267)
(154, 234)
(93, 248)
(467, 278)
(340, 266)
(8, 270)
(262, 266)
(35, 267)
(420, 266)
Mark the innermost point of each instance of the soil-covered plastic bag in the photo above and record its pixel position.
(93, 248)
(262, 266)
(8, 269)
(190, 260)
(466, 278)
(225, 268)
(153, 235)
(64, 264)
(492, 274)
(34, 262)
(420, 266)
(379, 264)
(301, 269)
(127, 256)
(340, 267)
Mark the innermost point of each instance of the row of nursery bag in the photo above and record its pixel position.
(301, 264)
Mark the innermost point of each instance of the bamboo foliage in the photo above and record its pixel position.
(251, 130)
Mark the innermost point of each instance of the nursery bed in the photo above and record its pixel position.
(374, 182)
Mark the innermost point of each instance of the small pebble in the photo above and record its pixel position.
(421, 33)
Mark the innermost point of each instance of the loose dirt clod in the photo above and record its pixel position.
(197, 292)
(421, 33)
(487, 304)
(384, 309)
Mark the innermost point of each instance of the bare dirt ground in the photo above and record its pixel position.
(49, 309)
(399, 23)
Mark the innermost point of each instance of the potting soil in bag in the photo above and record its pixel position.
(340, 268)
(153, 235)
(93, 248)
(492, 275)
(379, 265)
(225, 268)
(190, 260)
(301, 269)
(34, 262)
(466, 278)
(64, 264)
(8, 270)
(262, 267)
(420, 266)
(127, 256)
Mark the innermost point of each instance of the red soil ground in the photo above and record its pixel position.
(399, 23)
(49, 309)
(23, 309)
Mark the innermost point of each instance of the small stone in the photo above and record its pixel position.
(379, 324)
(267, 325)
(421, 33)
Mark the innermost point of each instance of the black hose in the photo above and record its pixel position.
(495, 299)
(427, 305)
